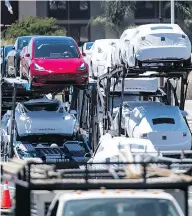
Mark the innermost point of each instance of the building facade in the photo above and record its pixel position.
(74, 16)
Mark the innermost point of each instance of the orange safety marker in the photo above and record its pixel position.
(6, 199)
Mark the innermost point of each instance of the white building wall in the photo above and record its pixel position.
(27, 8)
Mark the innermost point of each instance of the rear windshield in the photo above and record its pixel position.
(120, 207)
(163, 121)
(55, 49)
(161, 27)
(42, 107)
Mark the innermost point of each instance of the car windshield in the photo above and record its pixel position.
(55, 49)
(43, 107)
(89, 45)
(23, 42)
(120, 207)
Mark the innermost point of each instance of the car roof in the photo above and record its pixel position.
(153, 109)
(52, 37)
(98, 194)
(25, 37)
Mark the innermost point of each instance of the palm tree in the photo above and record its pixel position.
(114, 15)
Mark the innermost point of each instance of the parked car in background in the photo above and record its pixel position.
(86, 48)
(155, 43)
(50, 60)
(13, 58)
(4, 52)
(99, 54)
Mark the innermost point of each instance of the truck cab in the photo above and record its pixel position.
(114, 203)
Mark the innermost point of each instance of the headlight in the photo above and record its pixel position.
(82, 67)
(68, 117)
(39, 68)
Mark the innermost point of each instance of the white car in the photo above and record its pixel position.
(163, 124)
(99, 56)
(86, 48)
(114, 203)
(155, 43)
(111, 149)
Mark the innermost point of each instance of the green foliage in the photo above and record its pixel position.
(34, 26)
(114, 14)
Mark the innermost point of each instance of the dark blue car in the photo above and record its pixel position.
(4, 52)
(13, 58)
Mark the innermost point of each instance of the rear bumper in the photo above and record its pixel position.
(160, 54)
(79, 78)
(174, 147)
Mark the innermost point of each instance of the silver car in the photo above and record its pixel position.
(41, 117)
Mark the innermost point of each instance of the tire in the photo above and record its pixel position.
(187, 62)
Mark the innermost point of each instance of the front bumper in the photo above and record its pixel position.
(43, 78)
(163, 53)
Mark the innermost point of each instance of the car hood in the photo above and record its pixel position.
(59, 64)
(43, 122)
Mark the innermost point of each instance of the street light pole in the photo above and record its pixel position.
(172, 11)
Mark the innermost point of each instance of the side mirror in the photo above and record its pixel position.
(73, 112)
(13, 48)
(83, 54)
(27, 55)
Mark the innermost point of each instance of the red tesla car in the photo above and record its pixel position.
(53, 60)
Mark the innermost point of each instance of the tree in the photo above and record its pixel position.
(33, 26)
(114, 14)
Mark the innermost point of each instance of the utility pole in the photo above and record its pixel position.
(172, 11)
(161, 79)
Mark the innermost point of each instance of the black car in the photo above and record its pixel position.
(13, 57)
(4, 52)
